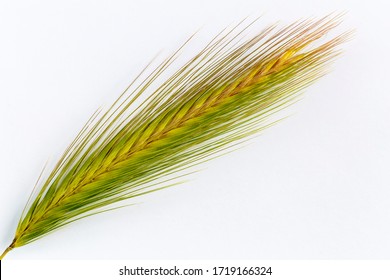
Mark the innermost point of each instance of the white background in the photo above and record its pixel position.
(315, 186)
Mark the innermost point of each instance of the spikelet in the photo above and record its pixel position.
(139, 145)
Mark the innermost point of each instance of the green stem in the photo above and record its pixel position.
(10, 247)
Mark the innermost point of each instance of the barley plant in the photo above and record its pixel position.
(157, 131)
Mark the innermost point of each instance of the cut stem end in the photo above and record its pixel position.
(10, 247)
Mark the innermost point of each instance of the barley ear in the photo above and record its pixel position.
(157, 132)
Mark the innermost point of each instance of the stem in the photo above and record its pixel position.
(10, 247)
